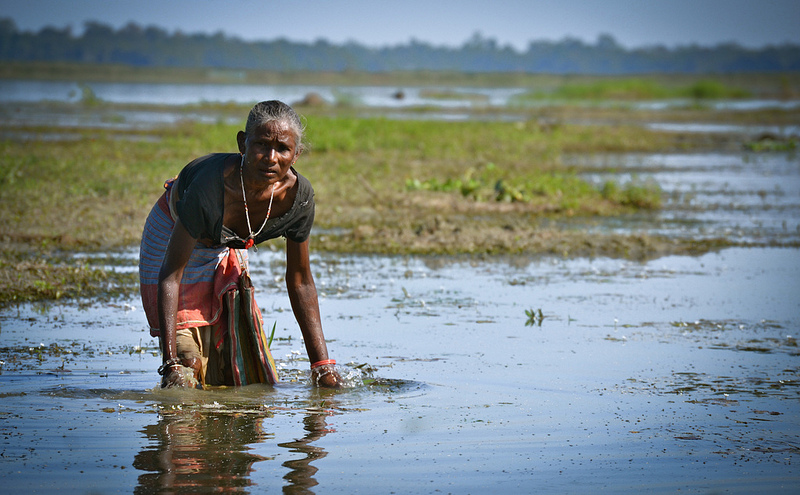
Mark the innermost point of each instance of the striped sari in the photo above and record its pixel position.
(208, 289)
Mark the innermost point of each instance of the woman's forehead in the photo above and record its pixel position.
(274, 129)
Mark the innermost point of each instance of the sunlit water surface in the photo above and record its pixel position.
(469, 376)
(748, 198)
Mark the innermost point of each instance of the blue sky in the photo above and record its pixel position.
(634, 23)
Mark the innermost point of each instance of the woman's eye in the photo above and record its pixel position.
(265, 148)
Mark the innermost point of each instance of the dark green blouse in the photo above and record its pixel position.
(201, 203)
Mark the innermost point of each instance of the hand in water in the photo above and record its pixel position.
(327, 377)
(179, 376)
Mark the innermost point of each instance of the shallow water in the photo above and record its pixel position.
(441, 102)
(631, 373)
(19, 91)
(750, 198)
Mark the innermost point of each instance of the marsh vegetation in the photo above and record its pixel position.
(409, 185)
(535, 313)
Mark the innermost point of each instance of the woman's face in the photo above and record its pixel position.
(269, 151)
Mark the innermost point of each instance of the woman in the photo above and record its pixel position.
(195, 241)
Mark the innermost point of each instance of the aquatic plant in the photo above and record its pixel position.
(88, 96)
(767, 144)
(534, 317)
(634, 193)
(272, 335)
(565, 189)
(345, 99)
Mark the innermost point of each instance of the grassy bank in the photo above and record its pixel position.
(383, 186)
(68, 193)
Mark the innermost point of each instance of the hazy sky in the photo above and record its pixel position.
(633, 23)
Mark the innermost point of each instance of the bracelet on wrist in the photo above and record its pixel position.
(169, 363)
(322, 363)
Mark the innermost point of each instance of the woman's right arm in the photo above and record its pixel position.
(179, 249)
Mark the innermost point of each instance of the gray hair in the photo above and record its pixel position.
(275, 111)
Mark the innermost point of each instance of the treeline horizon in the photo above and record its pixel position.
(152, 46)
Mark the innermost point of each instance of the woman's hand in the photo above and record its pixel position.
(326, 376)
(178, 376)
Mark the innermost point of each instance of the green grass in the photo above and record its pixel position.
(389, 186)
(635, 89)
(394, 162)
(382, 186)
(94, 193)
(489, 183)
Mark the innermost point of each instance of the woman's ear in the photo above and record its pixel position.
(241, 140)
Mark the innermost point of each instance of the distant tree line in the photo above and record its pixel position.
(151, 46)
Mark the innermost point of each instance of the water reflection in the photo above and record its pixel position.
(192, 450)
(202, 450)
(301, 477)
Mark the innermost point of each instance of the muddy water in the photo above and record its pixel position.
(515, 375)
(630, 374)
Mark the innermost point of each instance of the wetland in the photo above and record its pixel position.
(542, 297)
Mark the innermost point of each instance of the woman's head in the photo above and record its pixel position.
(277, 112)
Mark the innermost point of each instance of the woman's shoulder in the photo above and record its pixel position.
(201, 195)
(204, 172)
(210, 163)
(305, 190)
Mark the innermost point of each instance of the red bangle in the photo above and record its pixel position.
(323, 363)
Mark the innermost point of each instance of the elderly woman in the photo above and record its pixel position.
(195, 242)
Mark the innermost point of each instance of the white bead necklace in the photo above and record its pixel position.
(251, 238)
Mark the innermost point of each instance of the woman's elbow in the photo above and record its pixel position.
(169, 281)
(300, 284)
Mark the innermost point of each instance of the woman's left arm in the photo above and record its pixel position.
(305, 305)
